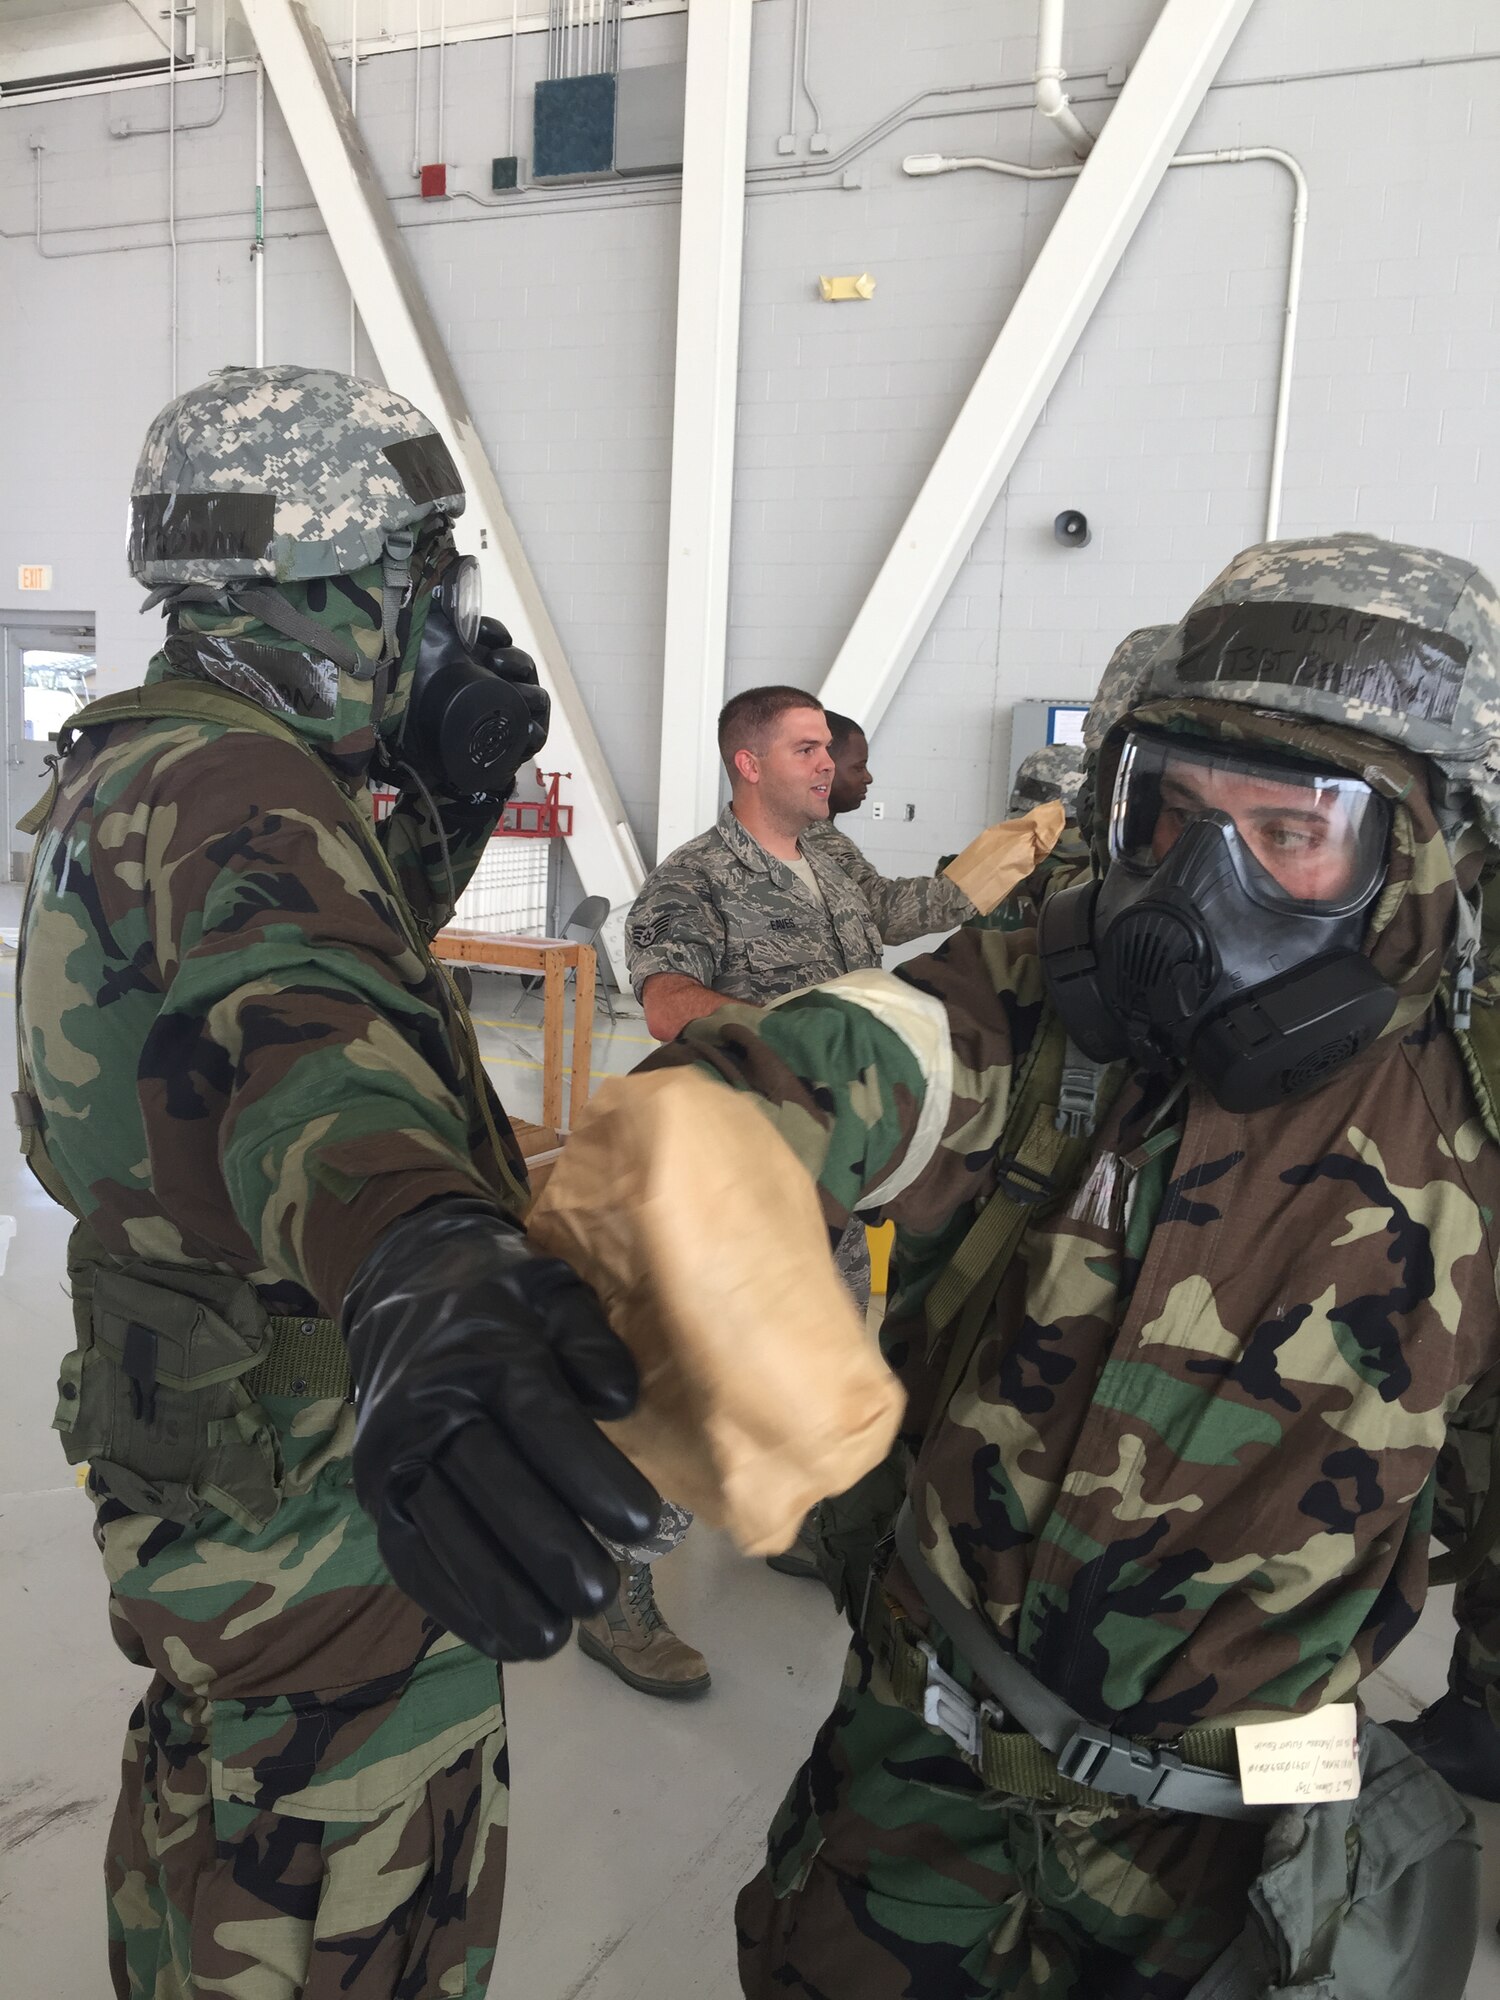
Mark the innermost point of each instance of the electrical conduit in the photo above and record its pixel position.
(921, 164)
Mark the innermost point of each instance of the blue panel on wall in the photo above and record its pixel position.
(574, 127)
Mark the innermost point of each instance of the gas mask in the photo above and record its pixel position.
(1225, 934)
(475, 713)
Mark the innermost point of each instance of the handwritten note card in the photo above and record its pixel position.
(1301, 1762)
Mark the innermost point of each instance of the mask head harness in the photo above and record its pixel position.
(1226, 932)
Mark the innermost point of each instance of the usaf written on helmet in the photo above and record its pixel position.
(281, 474)
(1402, 643)
(1053, 772)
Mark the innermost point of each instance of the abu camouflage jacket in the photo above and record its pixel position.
(904, 906)
(724, 911)
(238, 1057)
(1189, 1471)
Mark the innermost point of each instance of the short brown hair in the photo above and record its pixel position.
(744, 720)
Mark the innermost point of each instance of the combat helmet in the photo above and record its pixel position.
(1128, 672)
(1053, 772)
(260, 477)
(1398, 642)
(1120, 685)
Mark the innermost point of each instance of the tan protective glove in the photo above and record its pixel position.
(1000, 857)
(702, 1233)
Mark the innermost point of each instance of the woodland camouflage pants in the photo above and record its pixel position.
(893, 1875)
(315, 1785)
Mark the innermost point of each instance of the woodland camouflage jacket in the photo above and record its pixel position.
(239, 1057)
(1188, 1473)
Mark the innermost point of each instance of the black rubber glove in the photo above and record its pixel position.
(506, 659)
(478, 1368)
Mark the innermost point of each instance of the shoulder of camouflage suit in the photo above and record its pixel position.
(892, 1089)
(723, 911)
(904, 906)
(239, 1056)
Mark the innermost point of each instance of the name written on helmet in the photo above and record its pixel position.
(1382, 663)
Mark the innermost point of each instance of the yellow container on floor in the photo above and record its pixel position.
(880, 1241)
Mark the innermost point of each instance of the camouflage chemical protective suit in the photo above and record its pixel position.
(243, 1063)
(1188, 1474)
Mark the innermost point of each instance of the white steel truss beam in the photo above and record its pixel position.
(1113, 190)
(705, 405)
(414, 361)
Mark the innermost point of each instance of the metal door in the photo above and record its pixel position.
(49, 672)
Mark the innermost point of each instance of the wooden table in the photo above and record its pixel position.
(552, 958)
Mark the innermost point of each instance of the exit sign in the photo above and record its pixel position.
(34, 576)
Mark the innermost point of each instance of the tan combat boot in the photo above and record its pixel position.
(633, 1640)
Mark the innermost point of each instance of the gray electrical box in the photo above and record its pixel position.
(1034, 724)
(650, 109)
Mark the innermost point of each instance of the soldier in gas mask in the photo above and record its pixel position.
(338, 1418)
(1197, 1193)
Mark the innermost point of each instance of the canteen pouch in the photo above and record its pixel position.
(154, 1394)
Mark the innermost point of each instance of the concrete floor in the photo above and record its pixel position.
(634, 1821)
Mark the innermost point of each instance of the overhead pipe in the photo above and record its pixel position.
(918, 164)
(1051, 98)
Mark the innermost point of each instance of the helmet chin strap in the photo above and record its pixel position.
(396, 590)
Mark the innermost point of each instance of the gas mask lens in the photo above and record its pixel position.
(1304, 840)
(459, 593)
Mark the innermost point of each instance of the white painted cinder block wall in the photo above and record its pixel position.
(559, 310)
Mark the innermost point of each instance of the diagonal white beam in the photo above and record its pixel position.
(709, 264)
(1113, 191)
(413, 359)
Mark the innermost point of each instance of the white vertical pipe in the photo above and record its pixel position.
(1051, 98)
(172, 177)
(1161, 95)
(1288, 338)
(442, 76)
(260, 214)
(416, 99)
(708, 335)
(510, 123)
(353, 113)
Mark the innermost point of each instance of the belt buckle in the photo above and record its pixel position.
(1107, 1762)
(949, 1707)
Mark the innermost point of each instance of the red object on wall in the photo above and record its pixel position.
(434, 182)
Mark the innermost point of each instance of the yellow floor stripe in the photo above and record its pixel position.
(535, 1028)
(515, 1062)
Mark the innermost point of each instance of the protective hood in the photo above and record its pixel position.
(1411, 929)
(345, 715)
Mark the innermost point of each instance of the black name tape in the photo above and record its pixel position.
(1385, 663)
